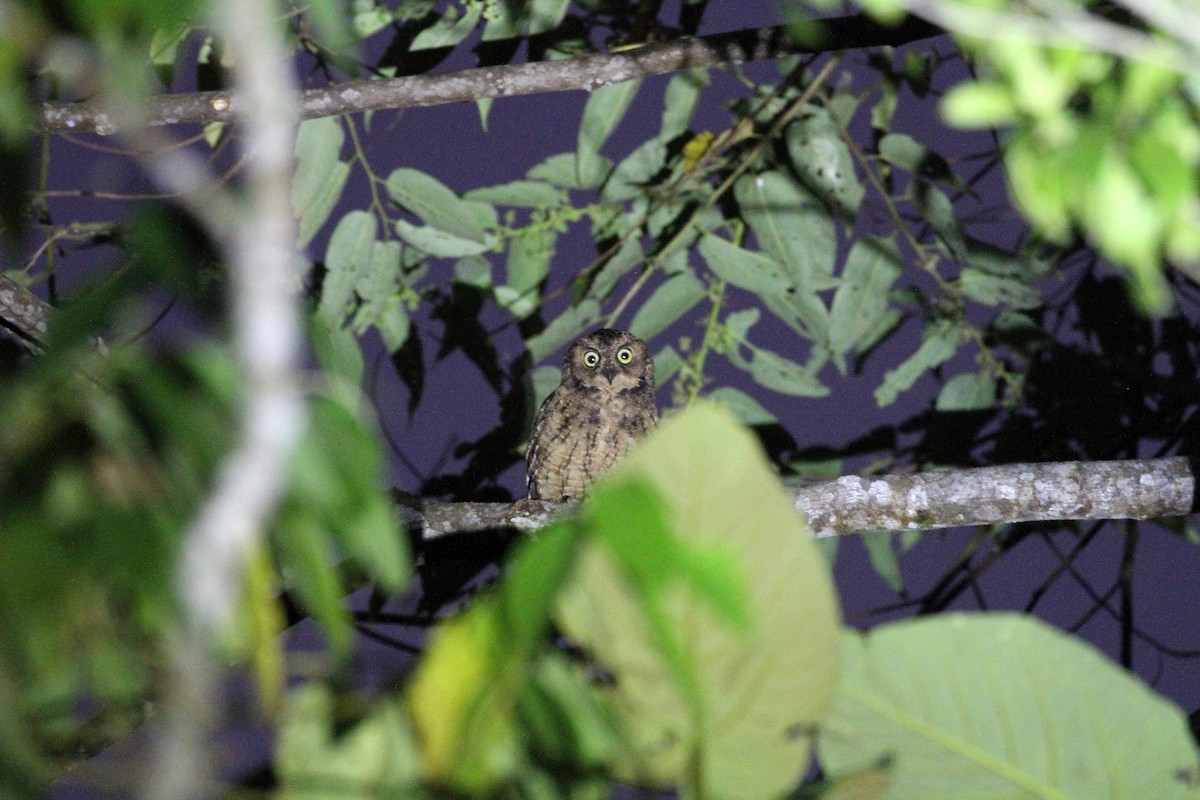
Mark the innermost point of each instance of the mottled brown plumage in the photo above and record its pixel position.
(605, 402)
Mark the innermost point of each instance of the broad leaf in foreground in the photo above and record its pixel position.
(1002, 706)
(759, 690)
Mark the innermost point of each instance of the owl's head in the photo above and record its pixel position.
(610, 360)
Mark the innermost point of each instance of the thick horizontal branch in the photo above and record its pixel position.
(585, 72)
(852, 504)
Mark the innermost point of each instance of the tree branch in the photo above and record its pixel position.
(506, 80)
(953, 498)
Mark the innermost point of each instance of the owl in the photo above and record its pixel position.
(605, 402)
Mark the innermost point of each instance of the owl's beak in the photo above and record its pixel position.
(609, 373)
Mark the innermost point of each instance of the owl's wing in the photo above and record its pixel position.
(533, 455)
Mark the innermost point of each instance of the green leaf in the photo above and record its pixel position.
(679, 102)
(394, 324)
(979, 105)
(564, 719)
(626, 258)
(767, 368)
(938, 211)
(338, 353)
(332, 24)
(674, 297)
(970, 391)
(461, 703)
(604, 110)
(906, 152)
(760, 689)
(561, 170)
(790, 223)
(754, 272)
(369, 18)
(440, 208)
(824, 162)
(520, 194)
(474, 271)
(742, 406)
(797, 305)
(528, 264)
(940, 344)
(436, 242)
(995, 290)
(511, 20)
(320, 174)
(565, 328)
(883, 558)
(453, 26)
(667, 363)
(347, 261)
(1002, 705)
(308, 560)
(872, 267)
(376, 757)
(545, 15)
(634, 174)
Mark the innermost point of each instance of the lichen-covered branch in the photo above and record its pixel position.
(585, 72)
(23, 315)
(852, 504)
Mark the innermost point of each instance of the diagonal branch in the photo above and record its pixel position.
(507, 80)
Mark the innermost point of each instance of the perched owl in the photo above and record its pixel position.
(605, 402)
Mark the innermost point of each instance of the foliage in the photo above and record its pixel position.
(814, 236)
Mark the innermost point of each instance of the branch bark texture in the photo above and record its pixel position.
(585, 72)
(954, 498)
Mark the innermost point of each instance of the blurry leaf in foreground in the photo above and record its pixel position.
(376, 757)
(760, 688)
(1001, 705)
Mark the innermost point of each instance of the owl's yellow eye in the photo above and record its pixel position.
(624, 355)
(591, 358)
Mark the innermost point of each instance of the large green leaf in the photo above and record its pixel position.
(453, 26)
(1002, 706)
(528, 263)
(790, 224)
(320, 174)
(823, 160)
(633, 175)
(441, 208)
(796, 304)
(872, 266)
(562, 170)
(347, 259)
(759, 690)
(568, 325)
(511, 19)
(676, 296)
(437, 242)
(768, 368)
(939, 346)
(604, 110)
(679, 101)
(523, 193)
(376, 757)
